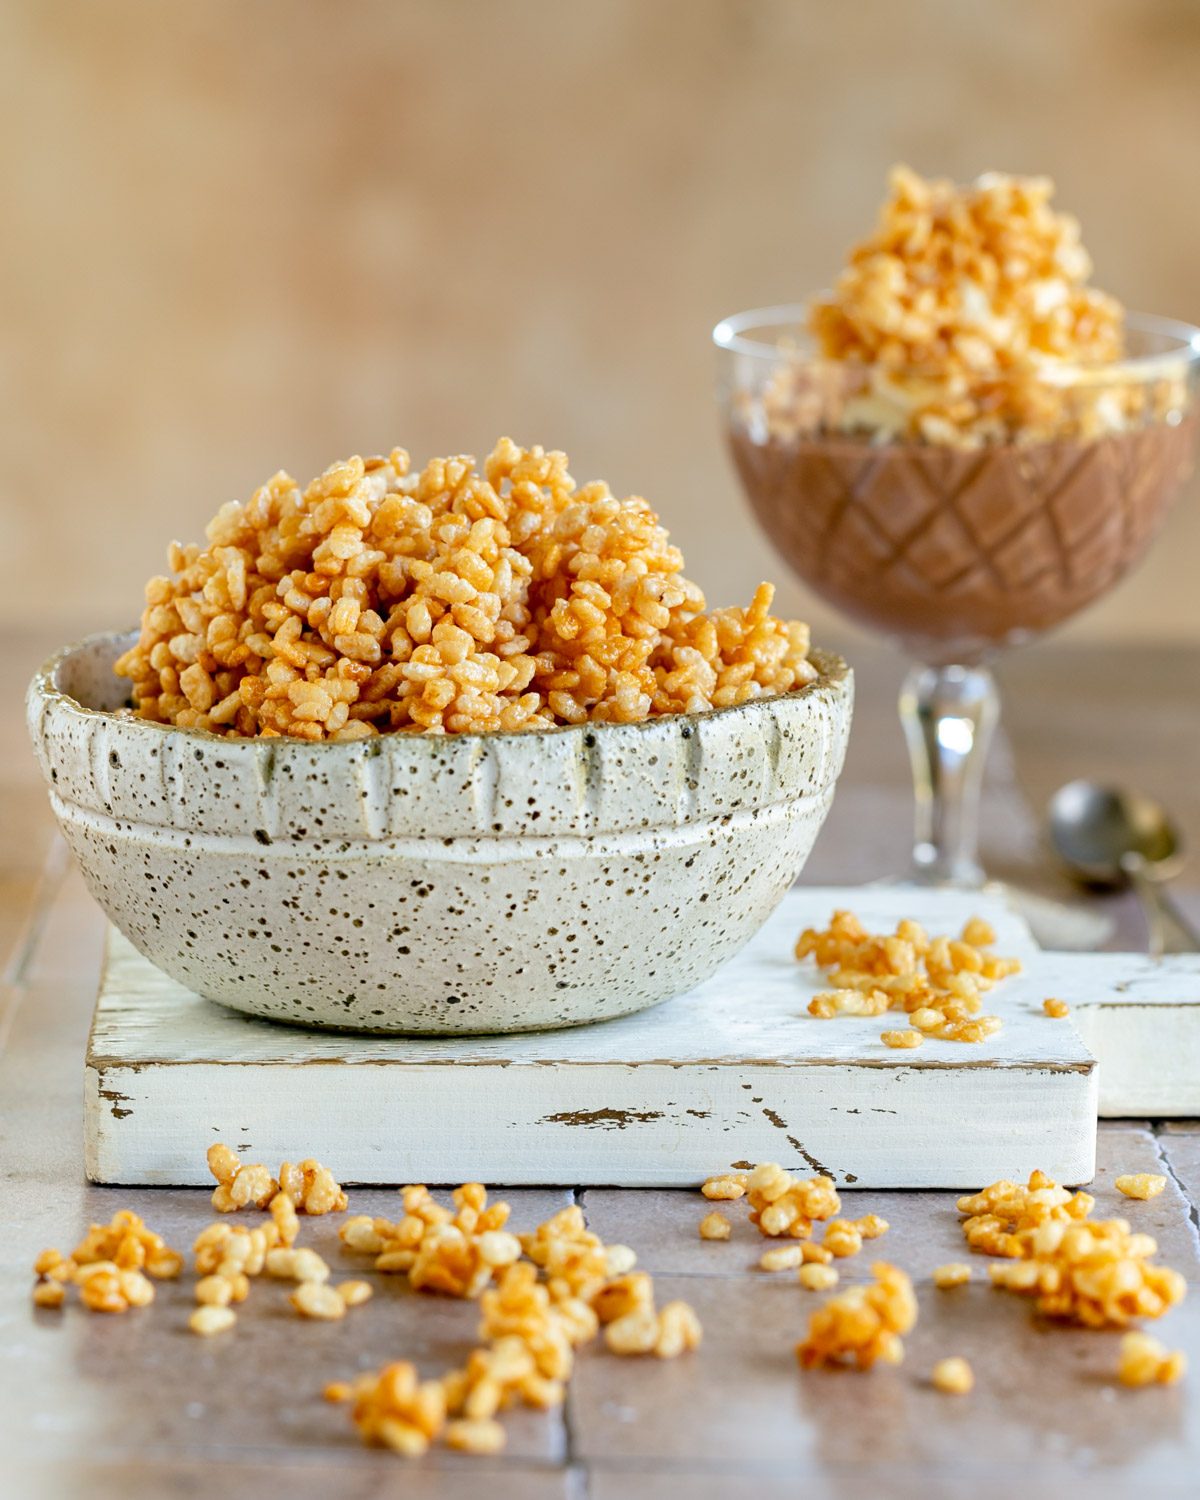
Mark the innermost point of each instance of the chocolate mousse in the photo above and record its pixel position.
(957, 551)
(974, 445)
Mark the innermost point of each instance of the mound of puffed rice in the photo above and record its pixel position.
(450, 600)
(960, 321)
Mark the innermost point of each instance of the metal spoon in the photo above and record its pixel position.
(1107, 837)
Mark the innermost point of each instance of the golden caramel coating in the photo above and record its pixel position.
(1056, 1009)
(901, 1039)
(863, 1324)
(448, 601)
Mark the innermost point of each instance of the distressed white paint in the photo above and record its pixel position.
(733, 1071)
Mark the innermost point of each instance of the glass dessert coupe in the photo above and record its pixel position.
(955, 551)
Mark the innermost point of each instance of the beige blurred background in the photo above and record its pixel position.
(239, 236)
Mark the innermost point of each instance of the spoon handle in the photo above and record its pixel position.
(1170, 931)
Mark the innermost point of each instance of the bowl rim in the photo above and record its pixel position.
(835, 673)
(730, 335)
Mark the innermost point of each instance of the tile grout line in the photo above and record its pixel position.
(1193, 1212)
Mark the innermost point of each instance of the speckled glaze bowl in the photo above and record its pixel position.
(441, 884)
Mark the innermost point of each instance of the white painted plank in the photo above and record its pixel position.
(1140, 1017)
(734, 1071)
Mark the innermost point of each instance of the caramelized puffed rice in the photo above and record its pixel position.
(715, 1226)
(480, 1436)
(316, 1299)
(1141, 1185)
(938, 983)
(1144, 1361)
(782, 1258)
(49, 1293)
(954, 1376)
(395, 1409)
(950, 323)
(311, 1188)
(863, 1324)
(951, 1275)
(1087, 1271)
(817, 1278)
(667, 1334)
(302, 1265)
(725, 1188)
(132, 1246)
(780, 1204)
(238, 1186)
(901, 1039)
(209, 1320)
(1056, 1008)
(448, 601)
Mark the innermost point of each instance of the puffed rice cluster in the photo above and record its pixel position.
(863, 1324)
(966, 319)
(228, 1256)
(449, 600)
(938, 982)
(109, 1267)
(782, 1206)
(536, 1311)
(1093, 1272)
(309, 1187)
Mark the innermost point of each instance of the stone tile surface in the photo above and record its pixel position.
(1043, 1396)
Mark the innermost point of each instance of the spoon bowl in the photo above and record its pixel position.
(1100, 832)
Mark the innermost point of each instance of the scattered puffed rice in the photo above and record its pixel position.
(1086, 1271)
(316, 1299)
(721, 1188)
(49, 1293)
(296, 1265)
(782, 1258)
(209, 1320)
(715, 1226)
(1056, 1008)
(354, 1293)
(1144, 1361)
(938, 982)
(816, 1277)
(480, 1436)
(954, 1376)
(863, 1324)
(1141, 1185)
(951, 1275)
(781, 1204)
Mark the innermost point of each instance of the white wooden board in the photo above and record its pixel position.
(733, 1072)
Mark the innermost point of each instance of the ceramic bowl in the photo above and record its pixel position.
(440, 884)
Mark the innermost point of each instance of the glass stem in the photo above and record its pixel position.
(949, 714)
